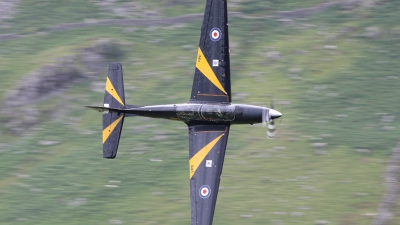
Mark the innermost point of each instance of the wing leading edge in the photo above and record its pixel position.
(207, 145)
(212, 82)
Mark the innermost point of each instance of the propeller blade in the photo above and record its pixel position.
(268, 116)
(272, 114)
(271, 132)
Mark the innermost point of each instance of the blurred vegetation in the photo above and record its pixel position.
(333, 75)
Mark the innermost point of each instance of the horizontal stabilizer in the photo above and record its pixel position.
(113, 119)
(114, 94)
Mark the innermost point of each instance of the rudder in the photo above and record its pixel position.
(114, 97)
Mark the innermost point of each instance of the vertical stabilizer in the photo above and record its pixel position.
(114, 97)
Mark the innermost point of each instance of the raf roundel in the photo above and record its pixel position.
(204, 191)
(215, 34)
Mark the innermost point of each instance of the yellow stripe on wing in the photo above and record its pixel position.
(195, 161)
(110, 89)
(110, 128)
(206, 70)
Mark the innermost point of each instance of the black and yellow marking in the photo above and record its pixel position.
(108, 130)
(205, 68)
(111, 90)
(196, 160)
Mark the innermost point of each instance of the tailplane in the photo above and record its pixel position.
(114, 97)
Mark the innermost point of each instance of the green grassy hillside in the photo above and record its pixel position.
(333, 75)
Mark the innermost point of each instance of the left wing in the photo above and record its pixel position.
(212, 76)
(207, 145)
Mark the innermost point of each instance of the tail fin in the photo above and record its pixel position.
(114, 97)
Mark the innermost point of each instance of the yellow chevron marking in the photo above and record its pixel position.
(207, 71)
(195, 161)
(110, 89)
(110, 129)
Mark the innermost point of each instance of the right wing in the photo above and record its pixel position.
(212, 77)
(207, 145)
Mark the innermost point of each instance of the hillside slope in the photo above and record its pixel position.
(333, 73)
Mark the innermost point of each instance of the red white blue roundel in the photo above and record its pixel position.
(215, 34)
(204, 191)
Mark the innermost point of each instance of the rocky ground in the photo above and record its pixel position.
(7, 9)
(390, 196)
(19, 111)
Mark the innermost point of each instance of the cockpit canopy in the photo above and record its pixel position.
(209, 112)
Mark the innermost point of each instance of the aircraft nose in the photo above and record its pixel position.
(274, 114)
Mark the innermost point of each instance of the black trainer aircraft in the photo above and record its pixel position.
(208, 115)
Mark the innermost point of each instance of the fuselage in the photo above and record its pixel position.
(191, 112)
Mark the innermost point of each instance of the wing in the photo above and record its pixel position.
(212, 77)
(207, 145)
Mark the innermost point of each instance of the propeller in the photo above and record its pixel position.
(271, 132)
(268, 116)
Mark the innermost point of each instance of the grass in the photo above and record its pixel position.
(332, 95)
(50, 13)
